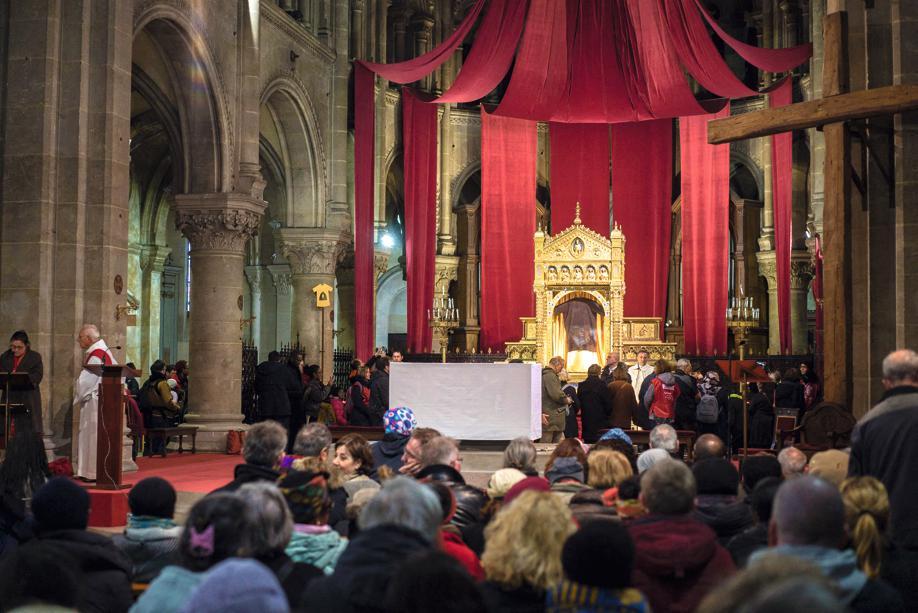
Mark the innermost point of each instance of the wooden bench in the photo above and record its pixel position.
(163, 434)
(371, 433)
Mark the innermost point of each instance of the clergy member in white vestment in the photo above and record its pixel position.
(639, 372)
(86, 395)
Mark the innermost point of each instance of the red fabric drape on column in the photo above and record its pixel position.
(705, 236)
(642, 160)
(580, 173)
(419, 130)
(508, 184)
(364, 142)
(782, 195)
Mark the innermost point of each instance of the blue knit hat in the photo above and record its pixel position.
(238, 586)
(400, 420)
(616, 433)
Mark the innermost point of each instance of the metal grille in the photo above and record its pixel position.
(342, 366)
(249, 363)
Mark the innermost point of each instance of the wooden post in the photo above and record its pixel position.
(836, 222)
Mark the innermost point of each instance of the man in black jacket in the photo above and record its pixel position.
(379, 390)
(595, 404)
(687, 401)
(273, 382)
(263, 451)
(883, 446)
(61, 511)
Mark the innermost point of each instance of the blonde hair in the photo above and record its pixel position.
(523, 543)
(607, 468)
(866, 515)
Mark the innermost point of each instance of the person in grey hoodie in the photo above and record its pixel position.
(808, 522)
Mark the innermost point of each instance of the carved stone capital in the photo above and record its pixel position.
(802, 270)
(768, 268)
(255, 275)
(153, 257)
(446, 269)
(380, 263)
(281, 277)
(218, 222)
(309, 252)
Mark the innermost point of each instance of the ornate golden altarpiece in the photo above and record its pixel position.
(578, 263)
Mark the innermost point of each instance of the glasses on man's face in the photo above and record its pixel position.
(17, 346)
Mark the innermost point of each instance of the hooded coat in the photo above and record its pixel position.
(274, 381)
(595, 406)
(105, 571)
(854, 589)
(364, 571)
(388, 451)
(677, 561)
(725, 515)
(321, 549)
(150, 549)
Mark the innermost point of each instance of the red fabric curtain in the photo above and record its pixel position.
(782, 195)
(580, 173)
(508, 185)
(642, 160)
(496, 40)
(419, 139)
(364, 139)
(705, 236)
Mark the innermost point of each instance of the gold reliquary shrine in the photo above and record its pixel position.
(579, 291)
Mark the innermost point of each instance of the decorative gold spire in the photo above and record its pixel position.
(577, 215)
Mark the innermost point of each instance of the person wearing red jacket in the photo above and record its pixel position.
(677, 558)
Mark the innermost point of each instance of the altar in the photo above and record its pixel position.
(579, 288)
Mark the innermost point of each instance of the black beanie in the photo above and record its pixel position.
(60, 504)
(152, 497)
(716, 476)
(599, 554)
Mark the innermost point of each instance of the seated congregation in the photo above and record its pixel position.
(350, 526)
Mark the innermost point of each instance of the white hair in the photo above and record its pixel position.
(272, 521)
(792, 462)
(404, 502)
(91, 330)
(664, 437)
(650, 457)
(901, 366)
(683, 365)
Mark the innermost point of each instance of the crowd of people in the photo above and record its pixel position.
(670, 392)
(316, 524)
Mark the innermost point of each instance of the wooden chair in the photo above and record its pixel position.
(828, 425)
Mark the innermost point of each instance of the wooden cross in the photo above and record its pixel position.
(830, 112)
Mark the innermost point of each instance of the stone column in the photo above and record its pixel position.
(312, 254)
(345, 304)
(217, 226)
(255, 276)
(445, 241)
(152, 259)
(280, 276)
(399, 31)
(801, 274)
(357, 29)
(467, 277)
(423, 27)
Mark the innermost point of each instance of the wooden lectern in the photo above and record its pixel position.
(110, 433)
(745, 372)
(15, 382)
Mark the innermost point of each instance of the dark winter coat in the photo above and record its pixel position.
(595, 406)
(789, 395)
(273, 382)
(746, 543)
(364, 571)
(294, 577)
(883, 446)
(725, 515)
(314, 395)
(523, 599)
(248, 473)
(687, 401)
(379, 396)
(105, 572)
(761, 421)
(360, 408)
(30, 364)
(295, 393)
(624, 405)
(388, 451)
(677, 561)
(571, 427)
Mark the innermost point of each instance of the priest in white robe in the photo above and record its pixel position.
(86, 396)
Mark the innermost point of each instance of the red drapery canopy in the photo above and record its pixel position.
(579, 61)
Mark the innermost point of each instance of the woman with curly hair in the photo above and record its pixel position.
(866, 516)
(354, 462)
(522, 556)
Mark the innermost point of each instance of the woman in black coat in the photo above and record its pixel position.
(789, 393)
(20, 358)
(358, 405)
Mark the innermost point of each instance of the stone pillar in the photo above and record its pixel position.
(801, 272)
(280, 276)
(358, 48)
(217, 226)
(255, 276)
(382, 26)
(152, 259)
(445, 241)
(801, 275)
(399, 32)
(423, 27)
(345, 305)
(312, 254)
(467, 277)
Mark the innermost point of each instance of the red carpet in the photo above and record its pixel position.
(201, 472)
(196, 473)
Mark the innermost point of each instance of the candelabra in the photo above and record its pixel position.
(742, 316)
(443, 318)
